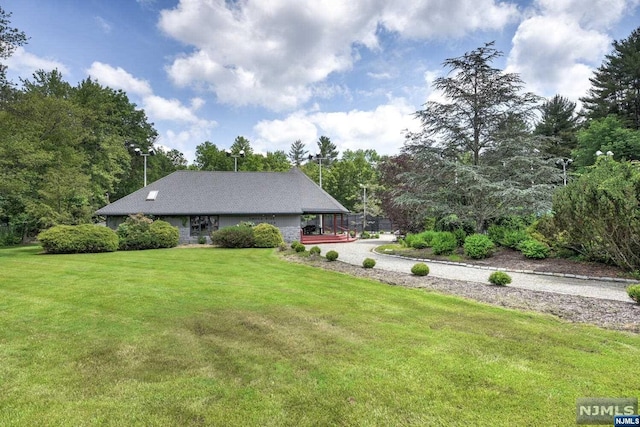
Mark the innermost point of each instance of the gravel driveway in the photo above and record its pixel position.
(354, 252)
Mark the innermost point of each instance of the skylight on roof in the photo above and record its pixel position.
(152, 195)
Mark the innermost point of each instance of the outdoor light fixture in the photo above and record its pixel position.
(364, 207)
(150, 152)
(319, 158)
(564, 163)
(235, 158)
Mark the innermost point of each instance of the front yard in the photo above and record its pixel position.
(208, 336)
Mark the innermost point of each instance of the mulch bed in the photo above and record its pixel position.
(608, 314)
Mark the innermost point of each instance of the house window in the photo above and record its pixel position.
(202, 225)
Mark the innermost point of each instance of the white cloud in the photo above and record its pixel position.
(446, 18)
(379, 129)
(118, 78)
(25, 63)
(274, 53)
(557, 47)
(186, 126)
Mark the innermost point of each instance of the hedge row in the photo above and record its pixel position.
(137, 232)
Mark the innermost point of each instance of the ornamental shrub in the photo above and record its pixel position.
(140, 232)
(499, 278)
(532, 248)
(294, 244)
(163, 234)
(420, 269)
(86, 238)
(513, 238)
(267, 236)
(461, 235)
(478, 246)
(331, 256)
(300, 248)
(634, 292)
(369, 263)
(444, 243)
(315, 250)
(239, 236)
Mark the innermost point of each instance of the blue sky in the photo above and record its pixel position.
(280, 70)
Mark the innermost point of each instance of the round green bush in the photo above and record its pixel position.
(369, 263)
(86, 238)
(634, 292)
(140, 232)
(535, 249)
(478, 246)
(300, 247)
(315, 250)
(420, 269)
(331, 256)
(294, 244)
(267, 236)
(239, 236)
(444, 243)
(499, 278)
(163, 234)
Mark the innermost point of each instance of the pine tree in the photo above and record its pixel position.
(616, 84)
(297, 153)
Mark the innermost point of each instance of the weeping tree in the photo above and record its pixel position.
(475, 155)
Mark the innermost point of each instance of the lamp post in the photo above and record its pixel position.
(364, 207)
(319, 158)
(564, 163)
(235, 158)
(150, 152)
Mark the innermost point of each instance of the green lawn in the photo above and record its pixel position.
(208, 336)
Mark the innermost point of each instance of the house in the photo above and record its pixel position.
(201, 202)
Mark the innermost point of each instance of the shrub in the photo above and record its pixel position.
(369, 263)
(513, 238)
(315, 250)
(68, 239)
(420, 269)
(239, 236)
(300, 248)
(478, 246)
(499, 278)
(421, 240)
(532, 248)
(331, 256)
(140, 232)
(294, 244)
(202, 240)
(452, 222)
(461, 235)
(634, 292)
(267, 236)
(163, 234)
(444, 243)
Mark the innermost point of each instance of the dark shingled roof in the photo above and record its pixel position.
(228, 193)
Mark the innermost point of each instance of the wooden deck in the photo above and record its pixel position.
(311, 239)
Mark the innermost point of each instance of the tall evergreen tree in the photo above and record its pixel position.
(559, 124)
(479, 99)
(327, 150)
(616, 84)
(297, 153)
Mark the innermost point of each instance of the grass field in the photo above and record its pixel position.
(208, 336)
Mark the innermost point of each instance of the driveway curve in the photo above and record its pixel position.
(355, 252)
